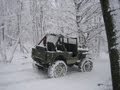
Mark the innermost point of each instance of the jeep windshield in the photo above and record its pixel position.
(52, 38)
(48, 39)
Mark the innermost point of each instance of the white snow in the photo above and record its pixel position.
(20, 75)
(83, 49)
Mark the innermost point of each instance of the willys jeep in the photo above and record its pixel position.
(56, 52)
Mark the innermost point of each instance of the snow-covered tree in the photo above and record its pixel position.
(90, 24)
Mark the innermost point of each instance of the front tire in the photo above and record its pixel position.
(58, 69)
(86, 66)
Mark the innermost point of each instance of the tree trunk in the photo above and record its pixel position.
(77, 6)
(112, 32)
(41, 21)
(3, 44)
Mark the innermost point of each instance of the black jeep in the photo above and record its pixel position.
(56, 52)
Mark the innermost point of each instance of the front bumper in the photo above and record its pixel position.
(39, 57)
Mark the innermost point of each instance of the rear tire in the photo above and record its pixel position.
(58, 69)
(86, 66)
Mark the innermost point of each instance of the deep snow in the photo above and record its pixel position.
(20, 75)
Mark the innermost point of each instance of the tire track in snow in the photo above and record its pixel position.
(24, 75)
(21, 81)
(16, 71)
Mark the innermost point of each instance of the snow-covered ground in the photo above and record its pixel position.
(20, 75)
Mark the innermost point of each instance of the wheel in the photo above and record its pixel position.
(85, 66)
(58, 69)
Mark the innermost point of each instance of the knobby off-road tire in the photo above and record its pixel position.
(58, 69)
(85, 66)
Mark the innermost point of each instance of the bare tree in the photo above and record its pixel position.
(37, 13)
(90, 24)
(111, 12)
